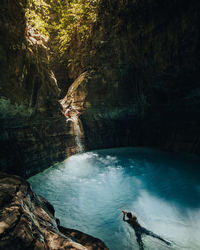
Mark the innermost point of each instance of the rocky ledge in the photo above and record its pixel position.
(27, 221)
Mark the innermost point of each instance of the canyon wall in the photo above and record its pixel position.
(33, 130)
(136, 78)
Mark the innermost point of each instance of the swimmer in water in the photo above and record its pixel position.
(139, 230)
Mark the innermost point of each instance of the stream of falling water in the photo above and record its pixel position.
(90, 190)
(78, 135)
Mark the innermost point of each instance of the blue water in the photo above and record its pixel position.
(89, 191)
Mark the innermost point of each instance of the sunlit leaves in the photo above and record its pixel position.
(37, 15)
(63, 18)
(76, 19)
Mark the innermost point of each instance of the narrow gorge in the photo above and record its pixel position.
(80, 77)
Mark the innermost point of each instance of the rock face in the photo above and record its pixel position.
(33, 130)
(137, 76)
(27, 221)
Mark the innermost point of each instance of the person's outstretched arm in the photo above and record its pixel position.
(124, 214)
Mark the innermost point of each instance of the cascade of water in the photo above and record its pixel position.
(71, 114)
(78, 134)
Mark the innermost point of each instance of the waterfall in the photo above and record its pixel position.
(71, 115)
(78, 134)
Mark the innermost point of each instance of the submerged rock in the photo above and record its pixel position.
(27, 221)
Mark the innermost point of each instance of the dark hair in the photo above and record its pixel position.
(129, 215)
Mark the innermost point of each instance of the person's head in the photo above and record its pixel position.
(129, 215)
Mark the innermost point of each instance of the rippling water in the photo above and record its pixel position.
(89, 191)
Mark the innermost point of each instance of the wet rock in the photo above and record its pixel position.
(27, 221)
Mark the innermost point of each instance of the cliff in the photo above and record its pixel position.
(33, 129)
(136, 78)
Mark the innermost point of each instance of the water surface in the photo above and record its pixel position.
(89, 191)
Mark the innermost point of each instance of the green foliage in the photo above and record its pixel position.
(75, 17)
(37, 15)
(62, 19)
